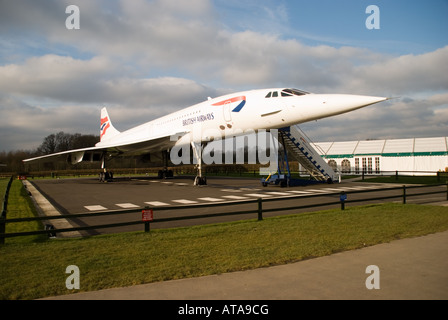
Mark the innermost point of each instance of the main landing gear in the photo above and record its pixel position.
(165, 173)
(199, 180)
(106, 176)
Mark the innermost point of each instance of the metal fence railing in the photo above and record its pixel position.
(4, 209)
(342, 198)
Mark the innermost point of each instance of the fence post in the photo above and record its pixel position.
(260, 210)
(342, 198)
(147, 217)
(404, 194)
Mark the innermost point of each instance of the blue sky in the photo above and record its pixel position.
(407, 27)
(143, 59)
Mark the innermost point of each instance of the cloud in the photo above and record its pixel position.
(97, 80)
(405, 74)
(24, 125)
(57, 77)
(145, 59)
(186, 40)
(398, 118)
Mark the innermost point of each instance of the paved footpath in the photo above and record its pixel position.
(413, 268)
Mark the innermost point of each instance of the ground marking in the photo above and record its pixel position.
(300, 192)
(230, 190)
(185, 201)
(278, 193)
(235, 197)
(258, 195)
(127, 205)
(95, 208)
(210, 199)
(157, 203)
(334, 189)
(319, 190)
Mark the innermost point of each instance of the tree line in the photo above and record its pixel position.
(62, 141)
(57, 142)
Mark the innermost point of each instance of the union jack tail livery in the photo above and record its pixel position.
(107, 130)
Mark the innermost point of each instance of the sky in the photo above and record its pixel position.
(144, 59)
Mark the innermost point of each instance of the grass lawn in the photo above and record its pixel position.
(32, 269)
(20, 205)
(3, 184)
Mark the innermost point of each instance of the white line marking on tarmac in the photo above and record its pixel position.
(127, 205)
(157, 203)
(258, 195)
(300, 192)
(210, 199)
(334, 189)
(95, 208)
(369, 187)
(319, 190)
(356, 188)
(235, 197)
(185, 201)
(278, 193)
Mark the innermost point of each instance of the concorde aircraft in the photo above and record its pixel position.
(221, 117)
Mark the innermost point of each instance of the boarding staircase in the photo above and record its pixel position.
(298, 147)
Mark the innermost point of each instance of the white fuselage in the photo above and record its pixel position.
(226, 116)
(239, 113)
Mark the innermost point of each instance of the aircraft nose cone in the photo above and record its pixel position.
(366, 100)
(334, 104)
(346, 102)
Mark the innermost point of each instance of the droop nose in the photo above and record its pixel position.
(347, 102)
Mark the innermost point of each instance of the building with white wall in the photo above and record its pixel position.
(415, 156)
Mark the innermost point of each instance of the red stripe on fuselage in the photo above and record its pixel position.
(236, 99)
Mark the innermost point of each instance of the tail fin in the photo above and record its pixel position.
(107, 130)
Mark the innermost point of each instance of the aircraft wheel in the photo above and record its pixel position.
(200, 181)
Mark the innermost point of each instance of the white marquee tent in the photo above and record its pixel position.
(415, 156)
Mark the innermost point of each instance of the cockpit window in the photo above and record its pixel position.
(295, 92)
(287, 93)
